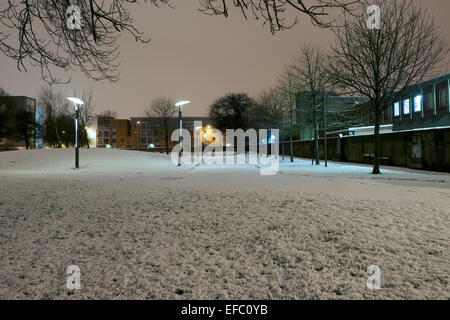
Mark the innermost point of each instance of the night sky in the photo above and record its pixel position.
(192, 56)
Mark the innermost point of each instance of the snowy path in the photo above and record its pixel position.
(140, 227)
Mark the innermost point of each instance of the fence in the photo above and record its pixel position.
(427, 149)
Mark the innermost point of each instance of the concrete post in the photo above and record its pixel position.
(434, 99)
(421, 102)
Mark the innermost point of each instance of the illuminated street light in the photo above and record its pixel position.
(139, 135)
(179, 104)
(77, 102)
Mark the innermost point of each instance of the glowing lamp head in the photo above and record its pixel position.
(75, 101)
(181, 103)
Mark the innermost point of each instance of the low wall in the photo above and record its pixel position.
(421, 149)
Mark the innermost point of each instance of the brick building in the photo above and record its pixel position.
(10, 105)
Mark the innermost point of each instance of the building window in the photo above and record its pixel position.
(406, 106)
(397, 109)
(387, 115)
(442, 98)
(428, 101)
(418, 103)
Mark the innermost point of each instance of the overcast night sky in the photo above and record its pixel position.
(192, 56)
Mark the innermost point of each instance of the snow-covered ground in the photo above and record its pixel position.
(140, 227)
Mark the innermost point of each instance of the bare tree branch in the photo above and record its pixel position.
(39, 35)
(163, 108)
(274, 12)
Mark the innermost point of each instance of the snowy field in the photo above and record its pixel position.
(141, 228)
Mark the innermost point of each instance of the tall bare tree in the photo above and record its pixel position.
(288, 87)
(86, 113)
(308, 67)
(382, 63)
(323, 13)
(270, 112)
(163, 107)
(55, 106)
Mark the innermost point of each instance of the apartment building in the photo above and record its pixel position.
(425, 105)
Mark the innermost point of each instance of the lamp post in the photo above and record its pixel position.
(325, 129)
(76, 102)
(180, 137)
(138, 135)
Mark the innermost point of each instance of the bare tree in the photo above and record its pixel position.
(288, 87)
(323, 13)
(269, 111)
(311, 74)
(232, 111)
(382, 63)
(163, 108)
(54, 35)
(86, 113)
(109, 113)
(55, 106)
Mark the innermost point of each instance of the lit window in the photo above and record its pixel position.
(406, 106)
(396, 109)
(417, 103)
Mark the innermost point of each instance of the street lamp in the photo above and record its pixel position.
(138, 144)
(179, 105)
(76, 102)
